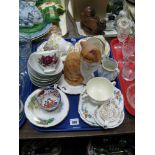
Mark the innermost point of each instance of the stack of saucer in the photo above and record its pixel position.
(41, 75)
(108, 114)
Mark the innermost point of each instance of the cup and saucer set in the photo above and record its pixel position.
(101, 104)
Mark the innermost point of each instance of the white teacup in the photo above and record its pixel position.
(100, 90)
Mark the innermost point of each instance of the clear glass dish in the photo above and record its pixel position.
(131, 95)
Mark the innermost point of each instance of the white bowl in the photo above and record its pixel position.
(100, 89)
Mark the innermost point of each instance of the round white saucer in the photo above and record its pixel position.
(69, 89)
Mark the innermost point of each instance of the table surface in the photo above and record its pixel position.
(127, 127)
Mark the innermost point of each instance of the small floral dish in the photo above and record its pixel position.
(48, 61)
(48, 99)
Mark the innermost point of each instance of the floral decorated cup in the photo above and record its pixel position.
(48, 60)
(48, 99)
(109, 69)
(100, 90)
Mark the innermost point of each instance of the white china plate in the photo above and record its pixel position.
(32, 61)
(107, 46)
(87, 109)
(42, 118)
(69, 89)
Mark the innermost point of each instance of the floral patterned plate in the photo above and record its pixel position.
(113, 122)
(42, 118)
(87, 109)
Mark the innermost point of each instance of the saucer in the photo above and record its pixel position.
(69, 89)
(42, 118)
(109, 115)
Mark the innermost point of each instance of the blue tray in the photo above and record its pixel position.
(24, 91)
(22, 121)
(72, 122)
